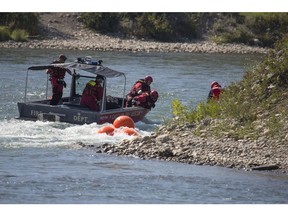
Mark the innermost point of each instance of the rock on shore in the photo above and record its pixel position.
(94, 41)
(177, 143)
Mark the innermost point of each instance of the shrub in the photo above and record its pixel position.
(159, 26)
(103, 22)
(19, 35)
(268, 27)
(4, 33)
(240, 35)
(27, 21)
(211, 109)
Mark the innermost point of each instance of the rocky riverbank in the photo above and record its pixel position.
(94, 41)
(177, 143)
(64, 31)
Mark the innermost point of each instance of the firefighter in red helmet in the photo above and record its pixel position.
(139, 87)
(57, 75)
(146, 100)
(215, 91)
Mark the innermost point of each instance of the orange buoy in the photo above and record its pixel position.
(130, 131)
(108, 129)
(123, 121)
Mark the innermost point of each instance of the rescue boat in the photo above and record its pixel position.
(69, 109)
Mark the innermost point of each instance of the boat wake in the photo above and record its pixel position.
(18, 133)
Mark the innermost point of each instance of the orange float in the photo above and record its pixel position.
(108, 129)
(123, 121)
(130, 131)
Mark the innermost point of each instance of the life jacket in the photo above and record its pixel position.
(216, 91)
(57, 72)
(93, 89)
(144, 100)
(139, 85)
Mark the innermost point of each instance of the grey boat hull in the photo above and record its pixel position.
(75, 114)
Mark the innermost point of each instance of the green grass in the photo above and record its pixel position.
(19, 35)
(4, 33)
(255, 106)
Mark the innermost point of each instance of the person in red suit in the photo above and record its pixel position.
(140, 86)
(146, 99)
(93, 94)
(57, 75)
(215, 91)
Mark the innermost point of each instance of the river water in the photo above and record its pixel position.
(41, 162)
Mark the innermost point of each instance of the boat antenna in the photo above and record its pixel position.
(47, 86)
(26, 86)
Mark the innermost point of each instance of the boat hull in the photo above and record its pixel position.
(75, 114)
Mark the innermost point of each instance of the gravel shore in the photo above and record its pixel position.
(94, 41)
(178, 144)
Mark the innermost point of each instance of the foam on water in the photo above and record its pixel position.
(17, 133)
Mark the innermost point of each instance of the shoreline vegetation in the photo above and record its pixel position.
(248, 131)
(135, 32)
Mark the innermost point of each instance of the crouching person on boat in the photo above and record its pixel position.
(57, 75)
(146, 99)
(139, 87)
(93, 94)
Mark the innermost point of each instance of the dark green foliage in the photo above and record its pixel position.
(103, 22)
(167, 26)
(268, 27)
(158, 26)
(25, 21)
(4, 33)
(261, 29)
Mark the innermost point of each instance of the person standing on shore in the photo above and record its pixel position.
(215, 91)
(57, 75)
(139, 87)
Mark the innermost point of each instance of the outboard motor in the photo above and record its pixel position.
(88, 60)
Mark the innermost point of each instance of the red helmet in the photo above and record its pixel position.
(148, 79)
(214, 83)
(154, 95)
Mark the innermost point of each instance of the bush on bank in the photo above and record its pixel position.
(252, 108)
(158, 26)
(18, 26)
(261, 29)
(4, 33)
(26, 21)
(19, 35)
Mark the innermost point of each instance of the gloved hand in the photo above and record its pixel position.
(135, 103)
(64, 84)
(153, 105)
